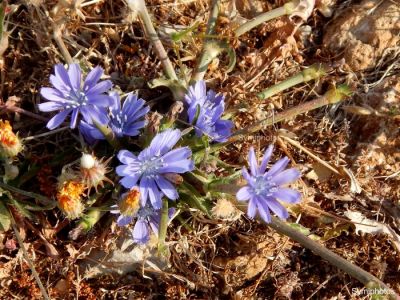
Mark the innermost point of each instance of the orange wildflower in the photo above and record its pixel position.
(129, 205)
(10, 144)
(69, 198)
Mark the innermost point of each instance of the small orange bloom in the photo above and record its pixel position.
(10, 144)
(69, 198)
(129, 205)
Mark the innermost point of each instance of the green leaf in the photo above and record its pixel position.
(5, 217)
(232, 59)
(175, 86)
(176, 36)
(304, 231)
(337, 231)
(191, 196)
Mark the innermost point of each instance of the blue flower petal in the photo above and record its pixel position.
(55, 121)
(167, 188)
(277, 208)
(140, 232)
(124, 220)
(50, 106)
(74, 74)
(92, 78)
(154, 194)
(266, 158)
(287, 195)
(286, 177)
(244, 194)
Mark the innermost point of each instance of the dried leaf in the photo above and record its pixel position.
(365, 225)
(354, 185)
(319, 172)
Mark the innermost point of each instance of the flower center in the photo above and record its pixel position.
(118, 120)
(150, 166)
(78, 99)
(263, 186)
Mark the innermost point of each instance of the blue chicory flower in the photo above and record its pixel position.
(123, 121)
(68, 96)
(264, 188)
(147, 218)
(205, 110)
(152, 167)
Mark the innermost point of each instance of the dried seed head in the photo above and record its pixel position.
(69, 198)
(10, 144)
(129, 204)
(87, 161)
(224, 209)
(93, 171)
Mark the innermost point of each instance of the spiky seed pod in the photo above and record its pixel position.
(93, 171)
(70, 199)
(10, 144)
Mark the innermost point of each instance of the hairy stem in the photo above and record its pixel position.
(108, 134)
(332, 96)
(157, 45)
(211, 48)
(162, 231)
(314, 72)
(264, 17)
(57, 36)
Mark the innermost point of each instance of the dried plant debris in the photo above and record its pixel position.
(363, 33)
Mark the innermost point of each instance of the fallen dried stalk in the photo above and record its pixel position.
(28, 260)
(321, 161)
(354, 271)
(332, 96)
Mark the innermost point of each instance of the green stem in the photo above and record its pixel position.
(108, 134)
(157, 45)
(162, 232)
(333, 95)
(314, 72)
(211, 49)
(264, 17)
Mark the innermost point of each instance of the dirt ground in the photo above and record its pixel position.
(230, 256)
